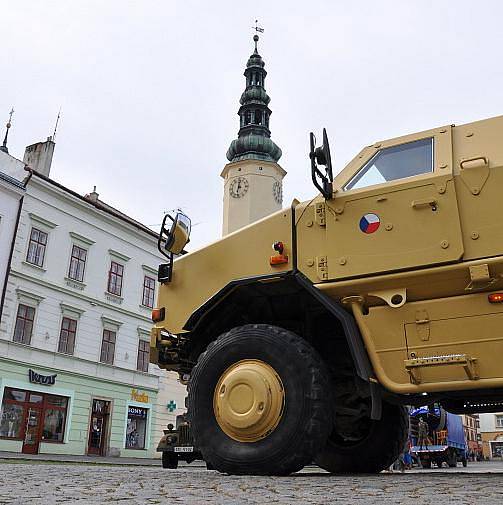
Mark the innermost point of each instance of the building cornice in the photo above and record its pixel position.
(90, 207)
(81, 296)
(71, 369)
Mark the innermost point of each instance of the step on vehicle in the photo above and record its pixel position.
(384, 290)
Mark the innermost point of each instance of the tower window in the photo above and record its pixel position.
(248, 119)
(258, 116)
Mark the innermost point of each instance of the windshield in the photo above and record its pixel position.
(392, 163)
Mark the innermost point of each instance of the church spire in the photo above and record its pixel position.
(3, 147)
(254, 140)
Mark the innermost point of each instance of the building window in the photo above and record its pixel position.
(67, 335)
(143, 356)
(148, 291)
(77, 263)
(36, 247)
(499, 421)
(24, 324)
(18, 407)
(115, 278)
(136, 428)
(54, 418)
(108, 347)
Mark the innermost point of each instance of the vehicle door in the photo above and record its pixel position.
(395, 208)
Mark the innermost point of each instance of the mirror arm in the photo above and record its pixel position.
(325, 188)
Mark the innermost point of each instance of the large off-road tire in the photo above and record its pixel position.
(169, 460)
(381, 445)
(302, 423)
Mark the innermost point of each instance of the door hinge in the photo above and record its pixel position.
(422, 325)
(322, 267)
(320, 214)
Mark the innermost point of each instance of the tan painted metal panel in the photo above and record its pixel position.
(201, 274)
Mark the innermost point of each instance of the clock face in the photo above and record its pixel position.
(238, 187)
(277, 192)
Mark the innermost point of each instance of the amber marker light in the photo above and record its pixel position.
(158, 315)
(280, 258)
(495, 297)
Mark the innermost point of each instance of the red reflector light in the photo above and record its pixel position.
(495, 297)
(158, 314)
(280, 259)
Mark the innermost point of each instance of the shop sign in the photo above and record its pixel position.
(137, 412)
(36, 378)
(139, 397)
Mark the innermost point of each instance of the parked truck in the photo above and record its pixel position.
(383, 290)
(444, 439)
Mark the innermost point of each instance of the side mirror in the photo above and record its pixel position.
(321, 156)
(179, 234)
(171, 242)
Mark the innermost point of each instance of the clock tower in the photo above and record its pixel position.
(253, 178)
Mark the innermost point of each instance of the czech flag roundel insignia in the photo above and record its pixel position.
(369, 223)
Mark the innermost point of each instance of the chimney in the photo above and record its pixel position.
(93, 196)
(39, 156)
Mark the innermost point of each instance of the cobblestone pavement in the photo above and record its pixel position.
(53, 483)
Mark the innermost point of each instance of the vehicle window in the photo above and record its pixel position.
(394, 163)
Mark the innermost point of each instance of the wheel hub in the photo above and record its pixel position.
(248, 400)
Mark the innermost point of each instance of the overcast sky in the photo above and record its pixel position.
(149, 90)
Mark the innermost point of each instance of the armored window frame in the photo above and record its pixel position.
(397, 155)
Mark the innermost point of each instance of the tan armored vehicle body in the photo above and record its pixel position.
(387, 287)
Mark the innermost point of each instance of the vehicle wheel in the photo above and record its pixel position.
(452, 459)
(169, 460)
(426, 463)
(259, 402)
(377, 445)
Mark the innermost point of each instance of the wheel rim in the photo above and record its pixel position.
(248, 401)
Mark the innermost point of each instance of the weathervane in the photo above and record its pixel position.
(258, 29)
(3, 147)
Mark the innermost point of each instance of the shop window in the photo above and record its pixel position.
(54, 418)
(108, 347)
(143, 355)
(499, 421)
(24, 324)
(148, 291)
(67, 335)
(77, 263)
(136, 428)
(36, 247)
(11, 418)
(17, 406)
(115, 276)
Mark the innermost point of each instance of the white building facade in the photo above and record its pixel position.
(491, 431)
(11, 194)
(75, 376)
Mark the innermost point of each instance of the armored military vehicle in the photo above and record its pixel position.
(384, 290)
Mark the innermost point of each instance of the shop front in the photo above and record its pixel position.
(60, 412)
(32, 417)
